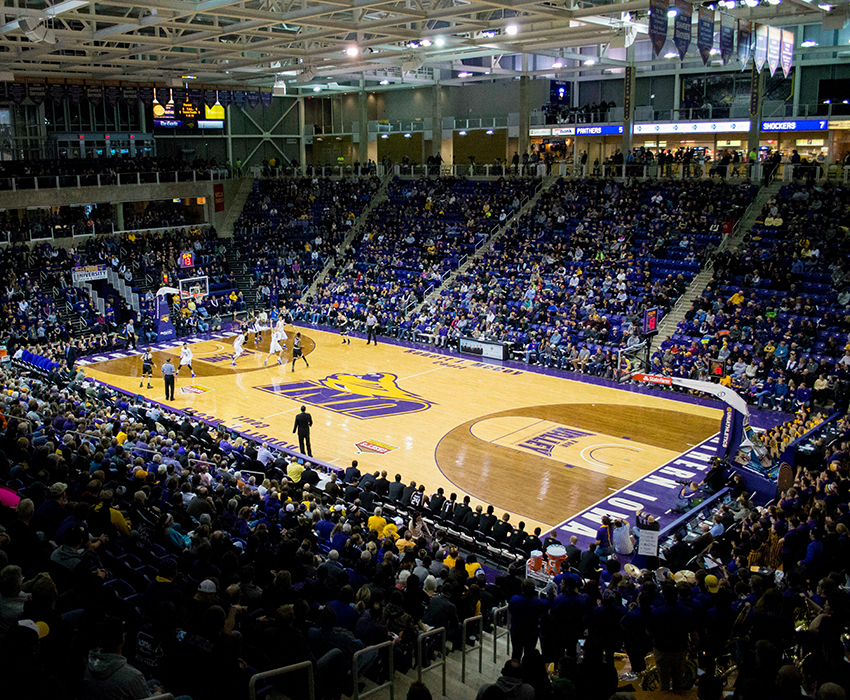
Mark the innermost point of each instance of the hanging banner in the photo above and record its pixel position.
(17, 92)
(628, 83)
(727, 37)
(94, 94)
(178, 94)
(210, 98)
(218, 197)
(774, 48)
(195, 97)
(682, 27)
(787, 52)
(266, 97)
(76, 92)
(658, 24)
(755, 88)
(146, 94)
(225, 97)
(239, 98)
(56, 91)
(760, 55)
(253, 98)
(36, 92)
(745, 41)
(705, 33)
(130, 94)
(112, 95)
(163, 95)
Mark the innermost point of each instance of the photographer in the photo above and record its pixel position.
(715, 478)
(689, 497)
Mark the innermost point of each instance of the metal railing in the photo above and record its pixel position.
(434, 665)
(478, 646)
(497, 612)
(57, 182)
(390, 671)
(257, 677)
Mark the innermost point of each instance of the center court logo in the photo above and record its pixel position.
(362, 396)
(546, 442)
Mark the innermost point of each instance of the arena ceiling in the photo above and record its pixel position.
(258, 42)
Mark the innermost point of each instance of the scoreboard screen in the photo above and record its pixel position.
(187, 259)
(650, 320)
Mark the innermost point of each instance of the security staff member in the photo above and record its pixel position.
(303, 421)
(168, 374)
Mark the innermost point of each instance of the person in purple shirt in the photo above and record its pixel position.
(811, 564)
(525, 611)
(803, 395)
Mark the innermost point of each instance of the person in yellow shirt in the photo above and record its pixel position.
(726, 380)
(406, 541)
(737, 298)
(377, 522)
(116, 518)
(391, 529)
(451, 558)
(294, 471)
(472, 565)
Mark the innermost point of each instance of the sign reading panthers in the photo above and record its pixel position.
(362, 396)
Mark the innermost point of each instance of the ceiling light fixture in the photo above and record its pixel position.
(590, 62)
(439, 41)
(672, 12)
(557, 64)
(352, 51)
(808, 43)
(670, 54)
(317, 88)
(751, 3)
(426, 42)
(489, 132)
(407, 136)
(384, 136)
(464, 74)
(385, 82)
(511, 29)
(461, 133)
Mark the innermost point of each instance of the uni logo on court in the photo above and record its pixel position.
(362, 396)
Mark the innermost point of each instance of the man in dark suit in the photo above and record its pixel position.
(396, 489)
(303, 421)
(589, 563)
(370, 479)
(382, 485)
(367, 498)
(573, 553)
(436, 501)
(352, 492)
(461, 511)
(485, 524)
(309, 475)
(71, 355)
(532, 542)
(352, 473)
(502, 529)
(678, 554)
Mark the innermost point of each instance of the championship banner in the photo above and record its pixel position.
(745, 41)
(112, 95)
(253, 98)
(705, 33)
(787, 52)
(774, 48)
(163, 95)
(760, 55)
(727, 37)
(658, 24)
(210, 97)
(36, 92)
(88, 273)
(17, 92)
(195, 97)
(225, 97)
(239, 98)
(755, 88)
(56, 92)
(76, 92)
(130, 94)
(94, 94)
(682, 27)
(178, 94)
(266, 97)
(627, 93)
(218, 197)
(146, 95)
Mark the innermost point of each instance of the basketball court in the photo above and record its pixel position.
(539, 446)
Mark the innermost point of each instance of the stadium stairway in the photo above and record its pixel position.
(485, 245)
(698, 284)
(234, 208)
(380, 196)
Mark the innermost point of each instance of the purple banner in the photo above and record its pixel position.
(36, 92)
(225, 97)
(253, 98)
(682, 27)
(731, 433)
(774, 48)
(727, 37)
(266, 97)
(56, 91)
(760, 54)
(787, 52)
(94, 94)
(146, 95)
(658, 24)
(705, 33)
(195, 96)
(745, 41)
(112, 95)
(239, 98)
(76, 92)
(210, 98)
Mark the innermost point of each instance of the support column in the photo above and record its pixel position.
(628, 100)
(118, 208)
(363, 123)
(302, 128)
(755, 109)
(229, 136)
(437, 117)
(524, 108)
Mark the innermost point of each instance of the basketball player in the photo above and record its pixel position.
(275, 348)
(237, 347)
(257, 327)
(342, 320)
(186, 359)
(297, 351)
(280, 327)
(147, 368)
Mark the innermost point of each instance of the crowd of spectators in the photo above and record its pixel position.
(289, 228)
(109, 168)
(775, 315)
(409, 243)
(56, 222)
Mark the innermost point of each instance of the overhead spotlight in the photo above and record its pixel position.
(826, 7)
(464, 74)
(808, 43)
(558, 64)
(461, 133)
(488, 35)
(731, 4)
(305, 76)
(439, 41)
(317, 88)
(713, 52)
(773, 2)
(426, 42)
(511, 29)
(590, 62)
(670, 54)
(413, 44)
(672, 12)
(189, 77)
(352, 51)
(384, 82)
(407, 136)
(384, 136)
(751, 3)
(489, 132)
(827, 102)
(33, 27)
